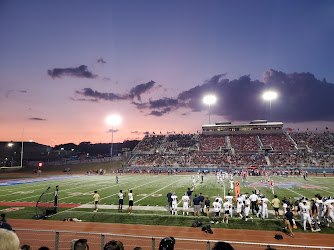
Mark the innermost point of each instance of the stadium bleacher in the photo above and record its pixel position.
(285, 149)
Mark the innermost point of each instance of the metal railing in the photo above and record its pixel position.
(61, 240)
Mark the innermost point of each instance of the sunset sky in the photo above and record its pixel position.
(66, 65)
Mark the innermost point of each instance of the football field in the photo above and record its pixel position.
(18, 197)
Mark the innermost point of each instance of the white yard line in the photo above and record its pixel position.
(36, 184)
(295, 192)
(156, 191)
(107, 196)
(74, 188)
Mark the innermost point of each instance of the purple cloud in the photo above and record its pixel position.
(81, 72)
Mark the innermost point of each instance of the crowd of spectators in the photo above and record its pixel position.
(278, 142)
(193, 150)
(242, 143)
(212, 143)
(317, 142)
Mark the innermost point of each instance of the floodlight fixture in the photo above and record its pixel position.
(113, 120)
(269, 95)
(209, 99)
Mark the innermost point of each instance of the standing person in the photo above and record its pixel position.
(174, 204)
(197, 205)
(169, 200)
(247, 208)
(201, 198)
(216, 210)
(116, 178)
(275, 204)
(96, 198)
(231, 184)
(288, 220)
(55, 204)
(207, 206)
(305, 210)
(130, 194)
(194, 181)
(272, 185)
(189, 193)
(185, 201)
(202, 176)
(254, 199)
(240, 202)
(265, 202)
(314, 214)
(230, 199)
(120, 201)
(227, 207)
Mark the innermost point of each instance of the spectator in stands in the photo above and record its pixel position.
(80, 244)
(167, 243)
(114, 245)
(4, 224)
(220, 245)
(26, 247)
(8, 240)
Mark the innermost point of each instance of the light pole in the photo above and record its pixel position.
(269, 96)
(10, 145)
(209, 100)
(113, 120)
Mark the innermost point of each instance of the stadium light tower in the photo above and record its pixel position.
(269, 96)
(113, 120)
(209, 100)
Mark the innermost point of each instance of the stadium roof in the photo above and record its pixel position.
(252, 123)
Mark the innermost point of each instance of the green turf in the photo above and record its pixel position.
(150, 190)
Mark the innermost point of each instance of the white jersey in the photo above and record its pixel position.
(220, 200)
(253, 197)
(130, 196)
(304, 209)
(216, 206)
(240, 201)
(174, 199)
(231, 184)
(227, 206)
(229, 199)
(120, 196)
(185, 199)
(265, 202)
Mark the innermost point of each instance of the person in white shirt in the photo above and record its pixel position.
(194, 181)
(231, 185)
(220, 200)
(120, 201)
(265, 202)
(247, 207)
(130, 202)
(331, 210)
(227, 207)
(218, 177)
(306, 211)
(185, 201)
(240, 202)
(230, 199)
(216, 210)
(253, 198)
(174, 204)
(259, 205)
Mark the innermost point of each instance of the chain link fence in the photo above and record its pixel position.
(61, 240)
